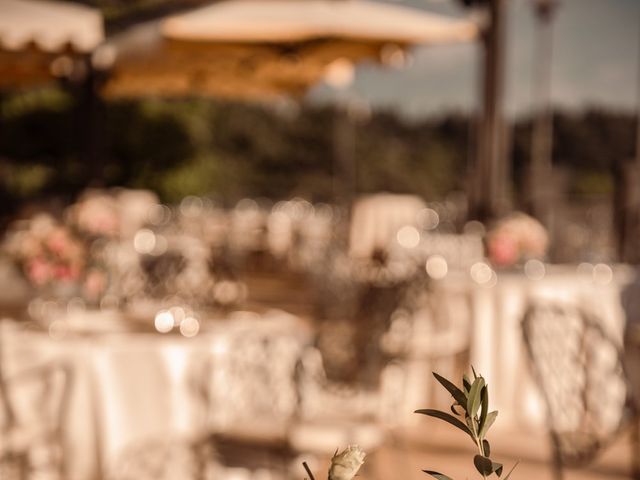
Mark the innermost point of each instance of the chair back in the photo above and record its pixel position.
(33, 407)
(248, 380)
(579, 369)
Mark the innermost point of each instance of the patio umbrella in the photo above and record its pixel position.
(40, 40)
(258, 48)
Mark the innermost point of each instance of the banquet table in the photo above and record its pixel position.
(135, 391)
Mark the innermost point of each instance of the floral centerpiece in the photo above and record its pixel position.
(77, 255)
(96, 214)
(53, 259)
(117, 213)
(108, 222)
(515, 239)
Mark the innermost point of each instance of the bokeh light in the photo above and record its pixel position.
(408, 236)
(163, 321)
(437, 267)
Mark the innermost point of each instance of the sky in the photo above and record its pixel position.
(595, 63)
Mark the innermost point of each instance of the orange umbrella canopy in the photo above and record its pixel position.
(39, 39)
(258, 48)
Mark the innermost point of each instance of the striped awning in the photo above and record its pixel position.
(43, 40)
(266, 48)
(279, 21)
(49, 26)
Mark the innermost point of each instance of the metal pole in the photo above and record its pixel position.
(631, 206)
(626, 198)
(637, 152)
(344, 157)
(540, 167)
(490, 198)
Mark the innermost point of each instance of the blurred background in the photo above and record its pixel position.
(237, 235)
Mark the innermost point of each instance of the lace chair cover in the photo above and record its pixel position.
(250, 395)
(350, 384)
(249, 378)
(579, 370)
(333, 415)
(33, 405)
(164, 459)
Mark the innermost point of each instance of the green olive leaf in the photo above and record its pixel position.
(491, 417)
(439, 476)
(447, 418)
(486, 447)
(455, 392)
(466, 383)
(484, 403)
(473, 400)
(484, 465)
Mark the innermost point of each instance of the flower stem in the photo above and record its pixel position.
(306, 467)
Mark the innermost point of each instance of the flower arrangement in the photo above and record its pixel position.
(95, 214)
(111, 213)
(53, 259)
(46, 251)
(68, 257)
(516, 238)
(470, 414)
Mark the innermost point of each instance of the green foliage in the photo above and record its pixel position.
(37, 125)
(26, 180)
(150, 136)
(471, 415)
(592, 183)
(586, 144)
(198, 176)
(234, 150)
(44, 99)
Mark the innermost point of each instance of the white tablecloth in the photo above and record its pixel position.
(129, 389)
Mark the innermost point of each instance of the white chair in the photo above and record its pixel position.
(250, 395)
(33, 405)
(580, 371)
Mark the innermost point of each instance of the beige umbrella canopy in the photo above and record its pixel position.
(39, 39)
(258, 48)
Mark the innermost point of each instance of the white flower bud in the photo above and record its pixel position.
(345, 465)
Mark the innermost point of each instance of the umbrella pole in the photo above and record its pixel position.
(90, 119)
(626, 201)
(6, 200)
(345, 167)
(540, 167)
(490, 199)
(95, 125)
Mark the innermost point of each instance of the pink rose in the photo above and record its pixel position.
(62, 272)
(503, 250)
(58, 241)
(39, 271)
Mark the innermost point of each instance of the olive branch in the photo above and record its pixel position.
(471, 404)
(471, 414)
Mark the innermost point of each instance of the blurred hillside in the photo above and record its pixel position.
(233, 150)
